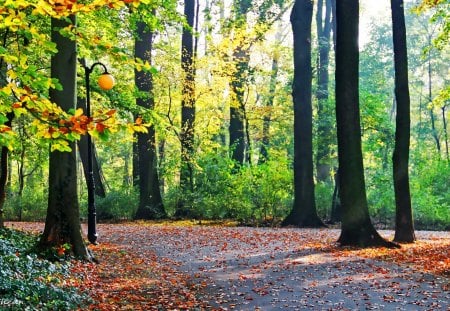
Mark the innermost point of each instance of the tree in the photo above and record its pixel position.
(150, 199)
(323, 114)
(187, 106)
(62, 224)
(357, 228)
(241, 57)
(404, 224)
(304, 212)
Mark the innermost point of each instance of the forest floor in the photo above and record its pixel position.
(182, 266)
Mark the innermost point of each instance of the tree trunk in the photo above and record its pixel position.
(336, 201)
(150, 199)
(404, 224)
(264, 154)
(241, 57)
(236, 129)
(444, 122)
(62, 224)
(434, 132)
(4, 173)
(187, 109)
(303, 213)
(357, 228)
(324, 121)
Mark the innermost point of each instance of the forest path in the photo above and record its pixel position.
(298, 269)
(168, 267)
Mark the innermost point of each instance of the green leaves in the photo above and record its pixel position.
(28, 282)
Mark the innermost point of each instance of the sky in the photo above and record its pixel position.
(372, 10)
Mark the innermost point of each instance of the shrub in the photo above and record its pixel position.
(31, 283)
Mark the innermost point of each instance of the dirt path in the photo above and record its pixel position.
(271, 269)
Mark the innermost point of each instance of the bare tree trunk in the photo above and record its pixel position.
(444, 121)
(150, 199)
(357, 228)
(303, 213)
(323, 166)
(404, 223)
(4, 173)
(187, 108)
(434, 132)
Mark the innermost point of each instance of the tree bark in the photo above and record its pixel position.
(303, 213)
(404, 223)
(237, 136)
(324, 126)
(62, 224)
(150, 199)
(187, 109)
(357, 228)
(4, 173)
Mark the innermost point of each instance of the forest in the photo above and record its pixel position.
(270, 113)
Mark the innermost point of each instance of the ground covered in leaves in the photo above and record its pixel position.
(180, 266)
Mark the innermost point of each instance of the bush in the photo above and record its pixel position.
(431, 195)
(31, 206)
(30, 283)
(252, 195)
(117, 205)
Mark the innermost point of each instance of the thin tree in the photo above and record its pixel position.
(404, 223)
(323, 24)
(241, 57)
(357, 228)
(264, 153)
(150, 199)
(303, 213)
(187, 106)
(62, 224)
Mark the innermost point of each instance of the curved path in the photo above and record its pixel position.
(285, 269)
(168, 267)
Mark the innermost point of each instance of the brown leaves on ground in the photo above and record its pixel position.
(130, 276)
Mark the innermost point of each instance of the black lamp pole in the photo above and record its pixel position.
(92, 213)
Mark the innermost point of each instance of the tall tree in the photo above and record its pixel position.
(304, 211)
(241, 57)
(150, 199)
(357, 228)
(62, 224)
(324, 127)
(404, 224)
(187, 105)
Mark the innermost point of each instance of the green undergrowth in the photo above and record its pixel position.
(29, 282)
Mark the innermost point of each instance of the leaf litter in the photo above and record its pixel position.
(173, 266)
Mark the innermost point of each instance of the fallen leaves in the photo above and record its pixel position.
(181, 266)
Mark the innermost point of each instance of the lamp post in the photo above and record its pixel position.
(106, 82)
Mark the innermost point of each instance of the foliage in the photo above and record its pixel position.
(430, 195)
(28, 282)
(117, 205)
(30, 206)
(253, 195)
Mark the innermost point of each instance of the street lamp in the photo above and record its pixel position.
(106, 82)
